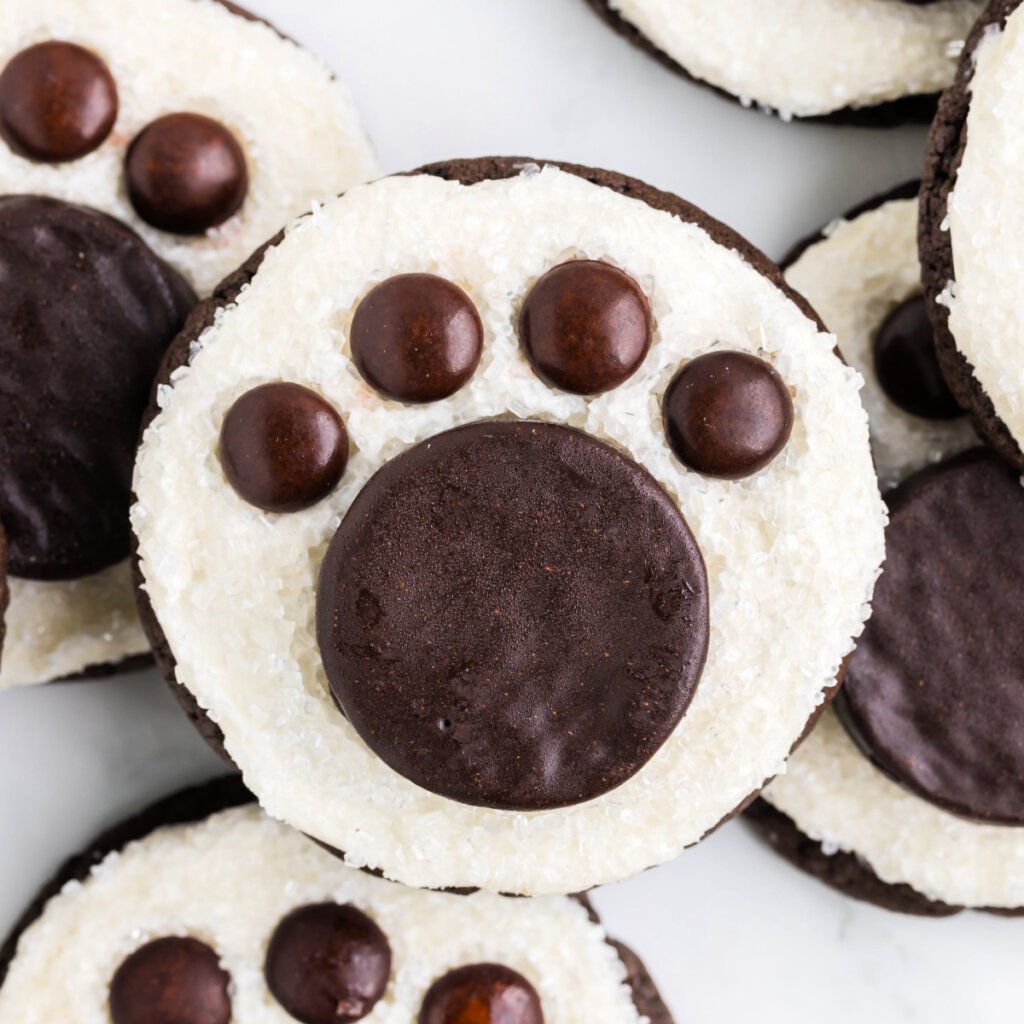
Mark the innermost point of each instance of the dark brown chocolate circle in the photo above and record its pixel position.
(171, 981)
(907, 366)
(186, 173)
(328, 964)
(283, 447)
(513, 615)
(58, 102)
(416, 338)
(935, 688)
(481, 994)
(585, 327)
(727, 414)
(86, 312)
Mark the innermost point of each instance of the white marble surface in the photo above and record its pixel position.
(731, 933)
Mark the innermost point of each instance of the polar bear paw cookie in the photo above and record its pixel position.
(203, 911)
(862, 275)
(868, 61)
(133, 176)
(481, 516)
(971, 225)
(910, 796)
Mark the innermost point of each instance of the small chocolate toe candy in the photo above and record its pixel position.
(728, 414)
(186, 173)
(416, 338)
(151, 114)
(58, 102)
(971, 217)
(924, 784)
(283, 447)
(481, 992)
(202, 910)
(585, 327)
(328, 963)
(169, 980)
(907, 366)
(577, 408)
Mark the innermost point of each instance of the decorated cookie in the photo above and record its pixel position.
(971, 224)
(145, 150)
(866, 61)
(204, 911)
(481, 518)
(861, 273)
(910, 793)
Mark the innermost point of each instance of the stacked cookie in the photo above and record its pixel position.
(910, 793)
(506, 524)
(133, 177)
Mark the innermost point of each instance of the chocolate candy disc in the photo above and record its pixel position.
(283, 447)
(482, 994)
(58, 102)
(86, 312)
(513, 615)
(328, 964)
(585, 327)
(934, 692)
(186, 173)
(727, 414)
(908, 368)
(171, 981)
(416, 338)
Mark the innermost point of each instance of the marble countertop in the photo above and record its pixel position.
(730, 932)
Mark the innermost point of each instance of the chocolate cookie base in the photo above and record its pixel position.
(199, 802)
(916, 109)
(846, 872)
(466, 172)
(947, 142)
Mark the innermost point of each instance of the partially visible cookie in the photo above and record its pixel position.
(861, 273)
(972, 220)
(243, 920)
(914, 781)
(873, 62)
(134, 175)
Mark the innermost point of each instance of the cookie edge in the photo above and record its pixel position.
(917, 108)
(196, 803)
(944, 153)
(467, 172)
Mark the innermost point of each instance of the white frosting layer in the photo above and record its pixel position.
(58, 629)
(807, 57)
(230, 880)
(303, 141)
(233, 588)
(855, 277)
(986, 224)
(835, 795)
